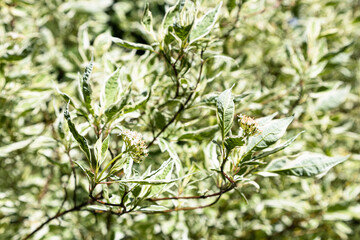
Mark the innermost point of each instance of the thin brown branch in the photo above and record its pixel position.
(182, 107)
(76, 208)
(193, 197)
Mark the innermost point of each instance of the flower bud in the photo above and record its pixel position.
(135, 145)
(249, 126)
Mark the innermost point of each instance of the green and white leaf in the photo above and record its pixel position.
(276, 149)
(307, 165)
(147, 19)
(111, 89)
(201, 134)
(233, 142)
(225, 111)
(131, 45)
(272, 131)
(86, 87)
(205, 24)
(80, 139)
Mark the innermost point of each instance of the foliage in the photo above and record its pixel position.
(126, 119)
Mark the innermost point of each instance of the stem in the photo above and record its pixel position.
(76, 208)
(108, 165)
(74, 173)
(182, 107)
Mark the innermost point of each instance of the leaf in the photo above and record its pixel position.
(307, 165)
(131, 45)
(147, 18)
(200, 134)
(165, 146)
(233, 142)
(112, 112)
(86, 171)
(211, 156)
(225, 111)
(111, 89)
(211, 99)
(86, 87)
(153, 208)
(276, 149)
(205, 24)
(139, 104)
(4, 150)
(332, 99)
(101, 149)
(271, 133)
(182, 31)
(333, 54)
(170, 15)
(80, 139)
(151, 182)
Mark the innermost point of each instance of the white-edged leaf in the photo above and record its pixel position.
(4, 150)
(111, 89)
(79, 138)
(306, 165)
(86, 86)
(272, 131)
(131, 45)
(268, 152)
(332, 99)
(225, 111)
(205, 24)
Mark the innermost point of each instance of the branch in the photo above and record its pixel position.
(182, 107)
(76, 208)
(73, 171)
(193, 197)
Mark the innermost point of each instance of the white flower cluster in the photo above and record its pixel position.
(135, 145)
(249, 125)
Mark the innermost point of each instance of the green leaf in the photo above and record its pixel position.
(233, 142)
(101, 149)
(153, 208)
(149, 181)
(147, 19)
(307, 165)
(139, 104)
(211, 156)
(333, 54)
(205, 24)
(86, 171)
(200, 134)
(5, 150)
(276, 149)
(170, 15)
(225, 111)
(112, 112)
(271, 133)
(86, 87)
(80, 139)
(111, 89)
(131, 45)
(182, 31)
(165, 146)
(332, 99)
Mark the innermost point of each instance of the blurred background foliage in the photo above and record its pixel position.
(296, 57)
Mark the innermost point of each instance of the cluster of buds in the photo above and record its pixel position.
(249, 126)
(135, 145)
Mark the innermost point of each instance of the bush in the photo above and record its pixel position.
(186, 120)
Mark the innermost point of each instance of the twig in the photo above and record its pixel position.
(193, 197)
(182, 107)
(74, 173)
(75, 208)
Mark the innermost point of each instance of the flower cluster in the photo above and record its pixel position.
(135, 145)
(249, 125)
